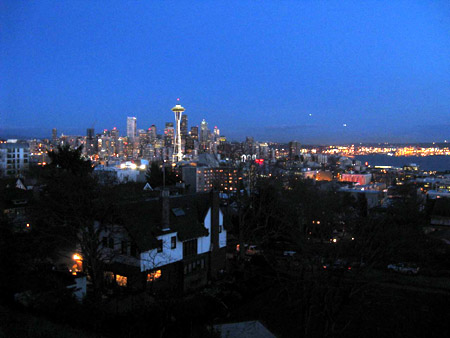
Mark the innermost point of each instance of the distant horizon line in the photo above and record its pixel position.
(24, 137)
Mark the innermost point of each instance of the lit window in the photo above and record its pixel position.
(152, 276)
(121, 280)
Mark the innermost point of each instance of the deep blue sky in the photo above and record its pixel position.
(251, 67)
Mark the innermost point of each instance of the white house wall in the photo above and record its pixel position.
(152, 259)
(223, 234)
(204, 243)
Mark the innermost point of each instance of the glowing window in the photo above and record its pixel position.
(121, 280)
(152, 276)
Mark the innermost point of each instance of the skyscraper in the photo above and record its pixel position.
(115, 133)
(115, 140)
(204, 135)
(91, 142)
(294, 150)
(184, 126)
(54, 137)
(168, 134)
(194, 133)
(204, 131)
(216, 131)
(152, 133)
(131, 128)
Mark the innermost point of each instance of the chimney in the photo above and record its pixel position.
(215, 220)
(165, 219)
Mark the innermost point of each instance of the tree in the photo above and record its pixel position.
(157, 178)
(70, 160)
(154, 175)
(73, 209)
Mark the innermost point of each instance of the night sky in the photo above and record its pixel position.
(276, 70)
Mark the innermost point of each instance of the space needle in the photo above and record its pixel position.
(177, 153)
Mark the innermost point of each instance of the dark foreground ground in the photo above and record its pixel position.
(393, 306)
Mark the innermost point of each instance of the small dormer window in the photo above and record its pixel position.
(178, 212)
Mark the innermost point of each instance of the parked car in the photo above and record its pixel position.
(337, 265)
(409, 269)
(253, 250)
(250, 249)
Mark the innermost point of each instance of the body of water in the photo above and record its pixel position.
(438, 163)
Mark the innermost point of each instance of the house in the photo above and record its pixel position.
(15, 201)
(440, 215)
(171, 242)
(249, 329)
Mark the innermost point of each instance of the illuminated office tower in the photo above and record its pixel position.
(177, 152)
(54, 137)
(194, 133)
(131, 128)
(152, 133)
(168, 134)
(115, 140)
(294, 150)
(204, 131)
(216, 132)
(204, 135)
(91, 142)
(184, 126)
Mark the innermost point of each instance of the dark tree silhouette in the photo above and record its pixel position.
(73, 209)
(70, 159)
(155, 176)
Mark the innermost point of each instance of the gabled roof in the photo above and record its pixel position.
(143, 219)
(441, 208)
(148, 186)
(13, 197)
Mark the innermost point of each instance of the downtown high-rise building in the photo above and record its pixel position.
(54, 137)
(294, 150)
(131, 128)
(191, 140)
(204, 131)
(91, 142)
(114, 133)
(249, 145)
(169, 133)
(115, 140)
(144, 140)
(216, 132)
(194, 133)
(152, 133)
(184, 126)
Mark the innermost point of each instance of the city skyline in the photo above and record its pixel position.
(312, 72)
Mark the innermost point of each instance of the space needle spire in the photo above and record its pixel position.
(177, 153)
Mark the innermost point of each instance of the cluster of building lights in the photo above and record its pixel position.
(352, 150)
